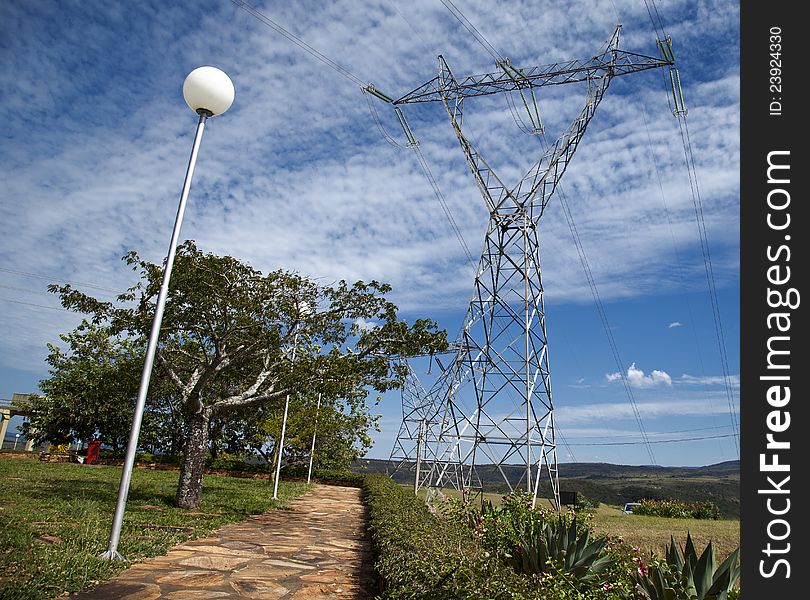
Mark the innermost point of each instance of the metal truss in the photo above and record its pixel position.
(493, 404)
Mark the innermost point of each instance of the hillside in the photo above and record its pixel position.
(617, 484)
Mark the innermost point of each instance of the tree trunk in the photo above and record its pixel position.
(273, 460)
(191, 470)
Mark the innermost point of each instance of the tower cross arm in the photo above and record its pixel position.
(617, 62)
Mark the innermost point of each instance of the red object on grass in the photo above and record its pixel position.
(92, 452)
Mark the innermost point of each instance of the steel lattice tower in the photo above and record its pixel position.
(493, 404)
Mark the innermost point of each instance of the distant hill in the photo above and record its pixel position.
(616, 484)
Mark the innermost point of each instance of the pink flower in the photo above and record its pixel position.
(607, 587)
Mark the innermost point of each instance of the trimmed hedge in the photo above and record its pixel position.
(421, 556)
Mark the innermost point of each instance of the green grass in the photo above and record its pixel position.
(653, 533)
(649, 533)
(55, 519)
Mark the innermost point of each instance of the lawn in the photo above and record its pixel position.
(652, 533)
(55, 520)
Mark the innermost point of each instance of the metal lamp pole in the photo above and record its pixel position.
(208, 91)
(283, 427)
(314, 432)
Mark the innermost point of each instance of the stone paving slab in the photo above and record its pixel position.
(318, 548)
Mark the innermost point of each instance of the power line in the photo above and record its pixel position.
(479, 37)
(26, 290)
(54, 278)
(299, 42)
(707, 262)
(692, 430)
(680, 113)
(440, 197)
(600, 309)
(354, 79)
(681, 269)
(32, 304)
(672, 441)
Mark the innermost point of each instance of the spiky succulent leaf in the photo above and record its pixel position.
(704, 571)
(689, 552)
(725, 576)
(687, 579)
(673, 556)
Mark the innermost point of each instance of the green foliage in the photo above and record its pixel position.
(420, 555)
(225, 359)
(689, 577)
(556, 546)
(539, 542)
(677, 509)
(77, 403)
(584, 503)
(503, 528)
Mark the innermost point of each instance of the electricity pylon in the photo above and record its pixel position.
(493, 404)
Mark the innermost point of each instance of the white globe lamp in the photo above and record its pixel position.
(208, 90)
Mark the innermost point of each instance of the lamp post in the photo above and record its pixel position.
(283, 429)
(314, 431)
(16, 439)
(304, 310)
(208, 92)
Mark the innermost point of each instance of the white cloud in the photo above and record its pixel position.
(636, 378)
(595, 413)
(295, 175)
(675, 324)
(733, 380)
(365, 324)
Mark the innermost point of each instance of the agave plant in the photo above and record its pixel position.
(556, 546)
(687, 577)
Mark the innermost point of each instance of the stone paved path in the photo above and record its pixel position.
(317, 549)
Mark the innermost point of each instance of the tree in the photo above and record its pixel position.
(77, 402)
(234, 338)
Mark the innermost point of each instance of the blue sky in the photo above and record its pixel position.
(96, 138)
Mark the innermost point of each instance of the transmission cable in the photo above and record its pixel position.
(709, 268)
(298, 42)
(600, 309)
(440, 197)
(672, 441)
(51, 279)
(479, 37)
(375, 117)
(677, 254)
(680, 112)
(35, 305)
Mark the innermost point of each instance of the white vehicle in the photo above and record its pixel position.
(628, 508)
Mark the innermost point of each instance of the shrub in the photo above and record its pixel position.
(584, 503)
(677, 509)
(559, 547)
(421, 555)
(338, 477)
(502, 528)
(234, 462)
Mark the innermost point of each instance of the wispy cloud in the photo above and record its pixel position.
(675, 324)
(709, 380)
(96, 140)
(595, 413)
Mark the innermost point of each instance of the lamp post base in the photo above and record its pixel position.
(112, 555)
